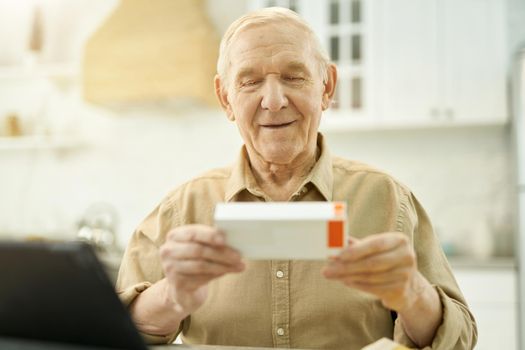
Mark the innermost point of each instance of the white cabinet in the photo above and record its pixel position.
(440, 60)
(405, 59)
(409, 63)
(473, 58)
(491, 294)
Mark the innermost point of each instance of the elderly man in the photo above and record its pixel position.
(392, 280)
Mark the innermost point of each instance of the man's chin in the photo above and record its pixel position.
(281, 156)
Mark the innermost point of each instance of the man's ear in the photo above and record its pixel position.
(222, 96)
(329, 86)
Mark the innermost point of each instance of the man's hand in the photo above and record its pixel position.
(385, 266)
(382, 264)
(191, 257)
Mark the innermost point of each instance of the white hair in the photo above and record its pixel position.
(266, 16)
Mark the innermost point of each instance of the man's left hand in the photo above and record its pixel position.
(383, 265)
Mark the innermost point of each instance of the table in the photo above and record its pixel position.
(24, 344)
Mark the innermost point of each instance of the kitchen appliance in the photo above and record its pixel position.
(518, 92)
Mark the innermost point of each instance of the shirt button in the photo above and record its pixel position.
(279, 274)
(280, 331)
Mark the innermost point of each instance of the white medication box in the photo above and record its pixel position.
(284, 230)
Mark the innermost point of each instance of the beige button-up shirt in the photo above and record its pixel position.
(282, 303)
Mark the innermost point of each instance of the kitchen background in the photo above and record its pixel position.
(106, 105)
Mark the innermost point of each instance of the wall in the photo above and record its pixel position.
(130, 160)
(462, 177)
(133, 157)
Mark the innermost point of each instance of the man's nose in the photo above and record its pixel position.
(273, 96)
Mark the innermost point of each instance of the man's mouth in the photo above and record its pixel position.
(278, 126)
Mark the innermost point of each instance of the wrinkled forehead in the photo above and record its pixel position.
(269, 31)
(257, 42)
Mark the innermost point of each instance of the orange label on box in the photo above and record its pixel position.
(335, 234)
(338, 209)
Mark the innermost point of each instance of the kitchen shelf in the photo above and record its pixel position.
(40, 70)
(40, 142)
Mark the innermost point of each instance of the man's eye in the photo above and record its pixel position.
(249, 83)
(296, 79)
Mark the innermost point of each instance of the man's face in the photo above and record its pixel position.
(275, 92)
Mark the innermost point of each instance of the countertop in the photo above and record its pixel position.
(467, 262)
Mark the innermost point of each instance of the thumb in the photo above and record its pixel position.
(352, 240)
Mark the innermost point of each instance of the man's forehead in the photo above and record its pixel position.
(278, 28)
(289, 66)
(254, 48)
(268, 38)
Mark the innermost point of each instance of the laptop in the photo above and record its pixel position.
(60, 293)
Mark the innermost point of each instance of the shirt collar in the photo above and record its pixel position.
(321, 175)
(241, 177)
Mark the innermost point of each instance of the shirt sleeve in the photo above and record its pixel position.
(458, 329)
(141, 267)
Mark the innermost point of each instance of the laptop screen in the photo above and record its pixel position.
(59, 292)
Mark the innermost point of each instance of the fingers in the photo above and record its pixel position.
(197, 233)
(379, 278)
(372, 245)
(195, 254)
(189, 250)
(380, 262)
(199, 242)
(394, 290)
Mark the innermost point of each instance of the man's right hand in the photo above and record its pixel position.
(191, 257)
